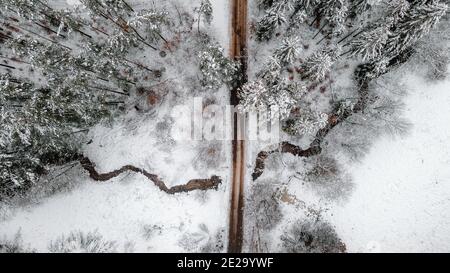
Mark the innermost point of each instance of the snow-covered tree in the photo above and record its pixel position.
(265, 4)
(23, 8)
(326, 176)
(271, 70)
(307, 123)
(15, 245)
(113, 9)
(319, 64)
(309, 236)
(264, 205)
(39, 126)
(205, 11)
(397, 9)
(81, 242)
(278, 98)
(283, 6)
(377, 68)
(252, 96)
(117, 12)
(289, 50)
(151, 20)
(151, 17)
(336, 12)
(433, 51)
(403, 24)
(297, 19)
(369, 45)
(417, 22)
(269, 23)
(215, 68)
(306, 4)
(358, 7)
(302, 8)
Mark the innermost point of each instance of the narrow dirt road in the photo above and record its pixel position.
(238, 51)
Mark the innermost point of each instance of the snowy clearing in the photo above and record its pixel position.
(401, 202)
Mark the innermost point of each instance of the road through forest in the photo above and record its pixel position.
(238, 51)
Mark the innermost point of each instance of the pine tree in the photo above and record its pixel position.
(265, 4)
(278, 98)
(306, 123)
(358, 7)
(404, 23)
(271, 70)
(377, 68)
(23, 8)
(336, 12)
(307, 236)
(417, 22)
(282, 6)
(205, 11)
(117, 12)
(269, 23)
(397, 9)
(215, 68)
(113, 9)
(251, 96)
(369, 45)
(152, 20)
(297, 19)
(289, 50)
(302, 8)
(306, 4)
(285, 96)
(319, 64)
(433, 52)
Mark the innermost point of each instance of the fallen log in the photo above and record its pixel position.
(192, 185)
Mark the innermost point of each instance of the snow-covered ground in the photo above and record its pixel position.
(123, 210)
(401, 200)
(221, 22)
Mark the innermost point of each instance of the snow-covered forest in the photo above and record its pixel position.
(116, 134)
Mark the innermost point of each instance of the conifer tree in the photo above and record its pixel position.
(289, 50)
(319, 64)
(336, 12)
(205, 11)
(271, 70)
(215, 68)
(369, 45)
(397, 9)
(269, 23)
(278, 97)
(417, 22)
